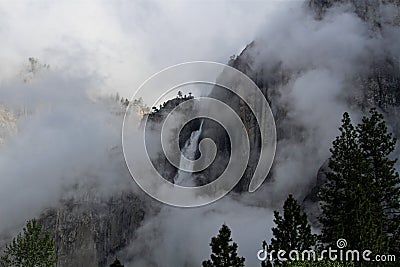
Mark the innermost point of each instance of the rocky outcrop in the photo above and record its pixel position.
(270, 88)
(153, 129)
(377, 87)
(90, 233)
(368, 10)
(8, 123)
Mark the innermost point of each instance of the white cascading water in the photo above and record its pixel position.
(189, 151)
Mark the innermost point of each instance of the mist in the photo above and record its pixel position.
(124, 42)
(320, 59)
(63, 139)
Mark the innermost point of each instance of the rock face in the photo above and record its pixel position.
(8, 123)
(90, 233)
(270, 88)
(379, 86)
(154, 125)
(367, 10)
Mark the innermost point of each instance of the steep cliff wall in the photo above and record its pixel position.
(376, 83)
(367, 10)
(90, 232)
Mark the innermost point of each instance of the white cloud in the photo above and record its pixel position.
(124, 42)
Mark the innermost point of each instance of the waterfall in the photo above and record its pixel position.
(189, 151)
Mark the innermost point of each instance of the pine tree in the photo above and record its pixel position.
(360, 200)
(338, 209)
(292, 231)
(116, 263)
(31, 248)
(377, 145)
(224, 254)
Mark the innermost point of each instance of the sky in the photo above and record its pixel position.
(124, 42)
